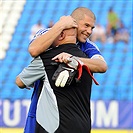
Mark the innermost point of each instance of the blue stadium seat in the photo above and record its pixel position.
(114, 84)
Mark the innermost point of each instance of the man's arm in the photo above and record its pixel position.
(96, 64)
(19, 83)
(43, 42)
(30, 74)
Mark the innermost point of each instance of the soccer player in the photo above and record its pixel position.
(59, 110)
(82, 18)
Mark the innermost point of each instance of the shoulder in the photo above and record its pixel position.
(90, 45)
(39, 33)
(42, 31)
(89, 48)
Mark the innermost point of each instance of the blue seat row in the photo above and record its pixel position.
(114, 84)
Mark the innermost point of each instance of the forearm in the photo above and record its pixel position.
(95, 65)
(44, 41)
(19, 83)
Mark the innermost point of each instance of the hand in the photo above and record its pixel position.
(62, 57)
(64, 75)
(67, 22)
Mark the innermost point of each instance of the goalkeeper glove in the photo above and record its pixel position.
(66, 72)
(64, 75)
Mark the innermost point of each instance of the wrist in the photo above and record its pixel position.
(58, 26)
(77, 59)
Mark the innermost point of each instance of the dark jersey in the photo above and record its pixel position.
(60, 110)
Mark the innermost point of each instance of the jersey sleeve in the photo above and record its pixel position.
(39, 33)
(91, 50)
(33, 72)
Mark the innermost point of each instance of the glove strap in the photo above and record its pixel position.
(80, 66)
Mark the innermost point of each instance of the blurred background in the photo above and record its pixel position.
(111, 102)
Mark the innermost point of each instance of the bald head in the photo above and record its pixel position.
(70, 32)
(80, 12)
(66, 36)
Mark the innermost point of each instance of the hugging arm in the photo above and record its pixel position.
(43, 42)
(96, 64)
(19, 82)
(30, 74)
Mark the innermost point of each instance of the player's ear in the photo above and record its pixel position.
(62, 36)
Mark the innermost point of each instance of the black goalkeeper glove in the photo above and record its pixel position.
(64, 75)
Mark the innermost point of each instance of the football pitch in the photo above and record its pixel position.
(20, 130)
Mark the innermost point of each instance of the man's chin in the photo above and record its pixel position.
(83, 40)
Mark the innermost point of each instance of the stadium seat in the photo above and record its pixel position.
(114, 84)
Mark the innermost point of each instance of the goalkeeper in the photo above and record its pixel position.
(59, 109)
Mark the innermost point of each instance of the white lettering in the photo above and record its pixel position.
(109, 117)
(14, 110)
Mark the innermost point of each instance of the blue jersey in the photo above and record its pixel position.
(89, 48)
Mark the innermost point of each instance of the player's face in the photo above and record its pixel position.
(85, 27)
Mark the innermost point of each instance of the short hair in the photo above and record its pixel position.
(80, 12)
